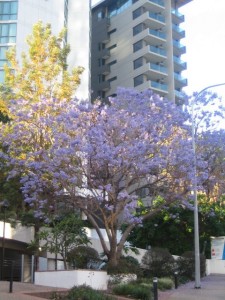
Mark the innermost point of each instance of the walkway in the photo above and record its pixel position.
(212, 288)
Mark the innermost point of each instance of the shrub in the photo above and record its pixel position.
(165, 283)
(133, 290)
(83, 257)
(186, 265)
(126, 265)
(86, 293)
(158, 262)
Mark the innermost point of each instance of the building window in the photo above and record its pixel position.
(101, 62)
(101, 46)
(138, 28)
(101, 94)
(112, 79)
(101, 15)
(112, 62)
(137, 13)
(138, 62)
(112, 47)
(3, 59)
(138, 45)
(138, 80)
(101, 78)
(8, 10)
(7, 33)
(111, 31)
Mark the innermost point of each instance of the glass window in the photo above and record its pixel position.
(112, 62)
(137, 46)
(112, 47)
(8, 33)
(138, 80)
(138, 62)
(112, 79)
(137, 13)
(138, 28)
(3, 59)
(8, 10)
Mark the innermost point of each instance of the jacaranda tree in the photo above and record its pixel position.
(97, 159)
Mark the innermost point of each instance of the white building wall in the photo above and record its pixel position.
(79, 40)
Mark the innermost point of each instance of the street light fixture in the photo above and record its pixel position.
(196, 222)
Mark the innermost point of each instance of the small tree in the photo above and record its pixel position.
(63, 235)
(83, 257)
(42, 72)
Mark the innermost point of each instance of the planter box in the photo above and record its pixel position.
(69, 278)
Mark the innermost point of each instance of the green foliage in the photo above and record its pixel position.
(86, 293)
(83, 257)
(42, 72)
(173, 227)
(158, 262)
(133, 290)
(186, 265)
(126, 265)
(165, 283)
(63, 235)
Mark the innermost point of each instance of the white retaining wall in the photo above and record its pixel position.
(215, 266)
(67, 279)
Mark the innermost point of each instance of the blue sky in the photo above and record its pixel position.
(205, 42)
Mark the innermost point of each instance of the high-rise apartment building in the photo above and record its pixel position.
(17, 18)
(136, 43)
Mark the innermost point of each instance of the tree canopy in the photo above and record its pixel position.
(42, 71)
(99, 158)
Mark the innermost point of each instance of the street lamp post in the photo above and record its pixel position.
(5, 204)
(196, 221)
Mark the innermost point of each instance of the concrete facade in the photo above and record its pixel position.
(136, 44)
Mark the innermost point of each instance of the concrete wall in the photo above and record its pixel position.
(18, 233)
(215, 266)
(68, 279)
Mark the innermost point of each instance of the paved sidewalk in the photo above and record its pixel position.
(212, 288)
(21, 291)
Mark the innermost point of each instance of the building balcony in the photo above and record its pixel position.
(157, 87)
(151, 20)
(152, 71)
(158, 68)
(158, 34)
(151, 36)
(177, 17)
(178, 48)
(105, 69)
(179, 65)
(151, 53)
(155, 6)
(178, 33)
(157, 2)
(105, 53)
(157, 17)
(104, 86)
(157, 50)
(180, 81)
